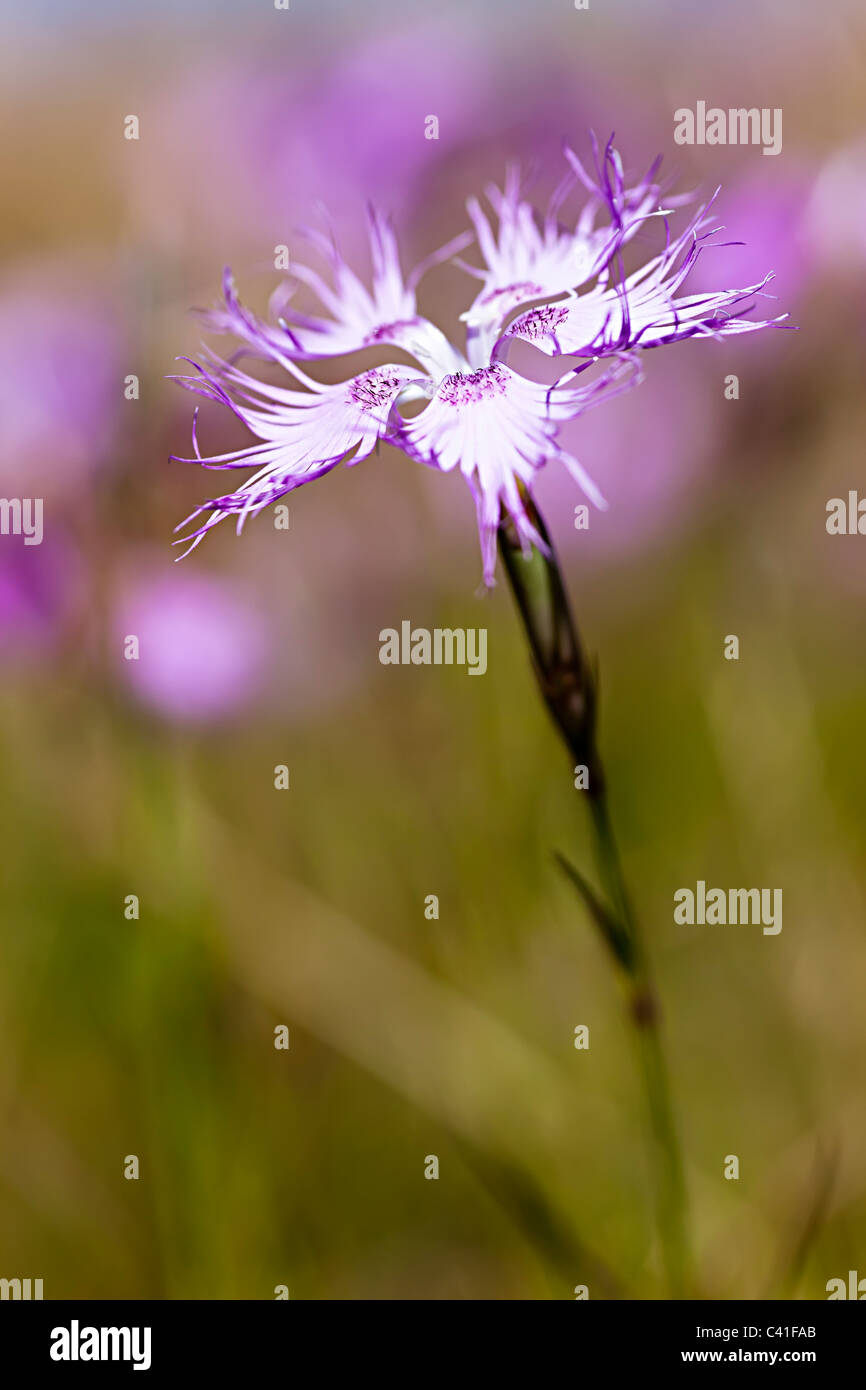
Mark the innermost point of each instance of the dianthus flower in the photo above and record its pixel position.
(562, 288)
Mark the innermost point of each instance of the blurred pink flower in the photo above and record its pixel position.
(61, 378)
(202, 649)
(837, 211)
(240, 150)
(767, 214)
(40, 589)
(649, 455)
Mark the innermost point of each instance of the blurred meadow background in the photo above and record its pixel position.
(412, 1037)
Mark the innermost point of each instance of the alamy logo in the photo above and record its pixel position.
(737, 906)
(847, 520)
(855, 1288)
(22, 516)
(444, 646)
(736, 126)
(23, 1289)
(75, 1343)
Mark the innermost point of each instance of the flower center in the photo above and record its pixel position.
(537, 323)
(374, 389)
(468, 388)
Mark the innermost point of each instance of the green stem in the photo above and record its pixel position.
(569, 688)
(644, 1013)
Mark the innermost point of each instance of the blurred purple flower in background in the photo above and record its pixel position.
(837, 211)
(61, 378)
(652, 450)
(766, 215)
(40, 590)
(203, 651)
(235, 151)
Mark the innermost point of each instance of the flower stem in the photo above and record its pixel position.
(569, 688)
